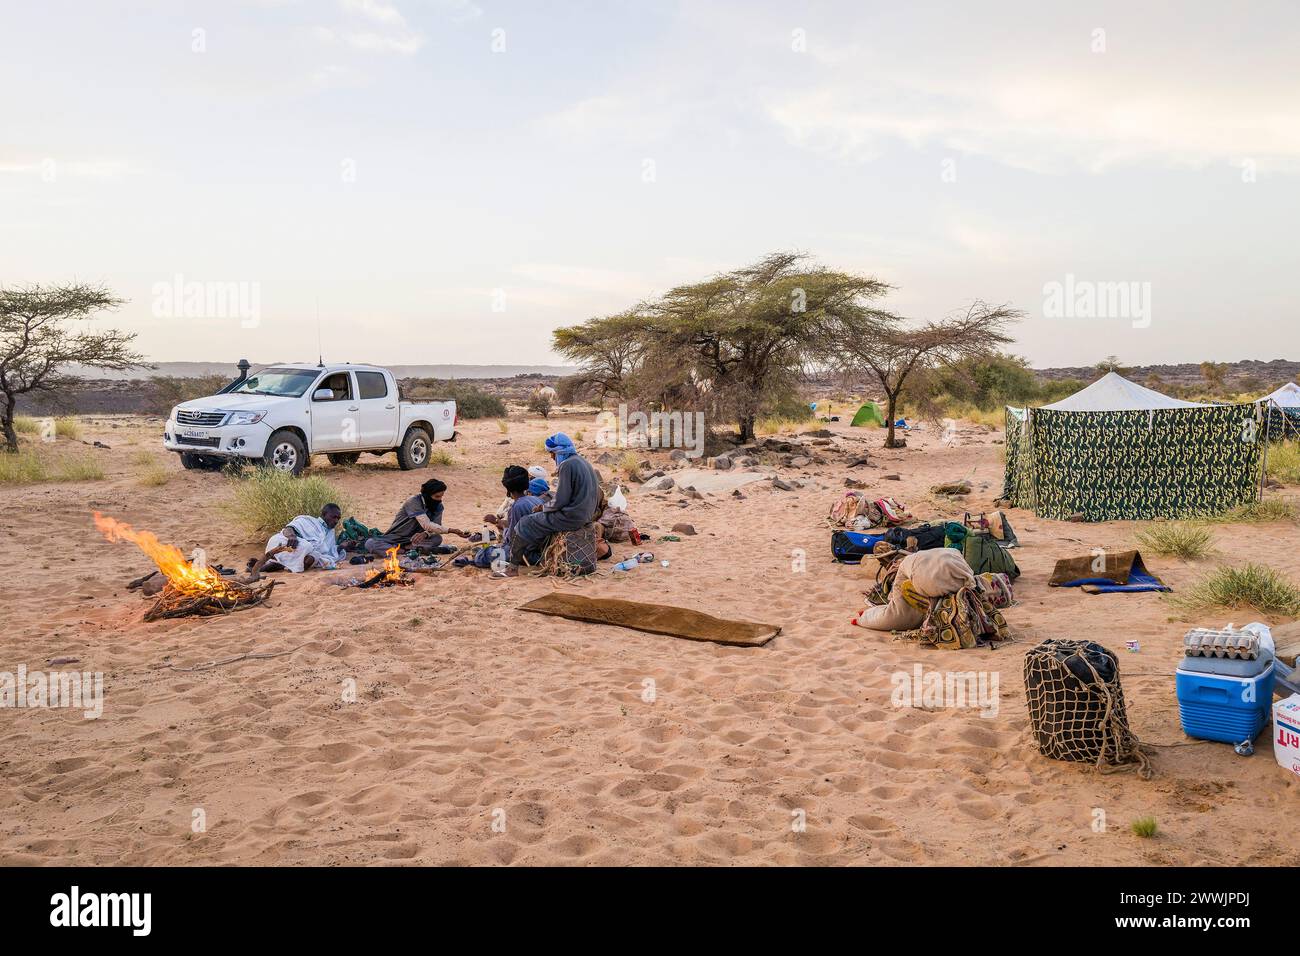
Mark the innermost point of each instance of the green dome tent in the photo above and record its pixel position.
(868, 414)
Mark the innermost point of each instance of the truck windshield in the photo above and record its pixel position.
(283, 382)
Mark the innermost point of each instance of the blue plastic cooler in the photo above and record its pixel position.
(1224, 699)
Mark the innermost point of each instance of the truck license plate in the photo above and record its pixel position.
(194, 433)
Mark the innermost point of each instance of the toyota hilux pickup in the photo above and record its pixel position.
(281, 415)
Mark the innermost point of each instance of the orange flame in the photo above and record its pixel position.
(392, 569)
(181, 574)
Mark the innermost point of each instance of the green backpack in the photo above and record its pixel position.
(985, 555)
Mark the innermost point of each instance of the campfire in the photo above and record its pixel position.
(390, 574)
(190, 588)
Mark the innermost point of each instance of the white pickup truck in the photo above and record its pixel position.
(283, 414)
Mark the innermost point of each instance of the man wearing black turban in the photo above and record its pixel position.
(418, 524)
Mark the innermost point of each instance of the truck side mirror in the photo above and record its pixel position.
(323, 395)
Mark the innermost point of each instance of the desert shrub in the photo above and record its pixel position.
(1249, 586)
(541, 403)
(629, 462)
(1284, 462)
(503, 426)
(266, 499)
(152, 470)
(1176, 539)
(27, 467)
(67, 427)
(1145, 827)
(471, 401)
(77, 468)
(26, 425)
(775, 424)
(22, 468)
(1269, 509)
(996, 417)
(441, 457)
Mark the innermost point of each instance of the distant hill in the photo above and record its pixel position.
(200, 369)
(1247, 376)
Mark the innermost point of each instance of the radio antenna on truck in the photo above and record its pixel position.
(320, 352)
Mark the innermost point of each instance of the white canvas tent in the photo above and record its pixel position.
(1288, 396)
(1114, 393)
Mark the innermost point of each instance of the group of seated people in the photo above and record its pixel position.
(518, 532)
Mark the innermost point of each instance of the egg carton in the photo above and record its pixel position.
(1230, 644)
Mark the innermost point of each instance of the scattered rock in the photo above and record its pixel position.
(800, 461)
(782, 485)
(852, 483)
(664, 483)
(677, 454)
(859, 462)
(737, 494)
(606, 458)
(504, 441)
(823, 441)
(683, 528)
(893, 478)
(1076, 517)
(818, 433)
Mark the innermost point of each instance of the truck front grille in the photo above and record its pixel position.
(205, 419)
(200, 442)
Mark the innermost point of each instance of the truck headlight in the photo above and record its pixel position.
(245, 418)
(172, 417)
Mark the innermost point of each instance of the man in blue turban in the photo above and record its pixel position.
(577, 492)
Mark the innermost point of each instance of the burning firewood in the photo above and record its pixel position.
(389, 575)
(175, 602)
(191, 588)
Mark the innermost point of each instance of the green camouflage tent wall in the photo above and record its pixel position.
(1157, 463)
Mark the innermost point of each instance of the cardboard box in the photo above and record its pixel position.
(1286, 733)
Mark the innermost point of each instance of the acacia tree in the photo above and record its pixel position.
(37, 341)
(608, 350)
(742, 338)
(901, 353)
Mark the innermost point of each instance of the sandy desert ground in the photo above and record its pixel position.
(467, 706)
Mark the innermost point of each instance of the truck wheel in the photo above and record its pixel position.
(414, 450)
(285, 452)
(344, 458)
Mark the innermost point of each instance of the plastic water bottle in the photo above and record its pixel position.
(627, 565)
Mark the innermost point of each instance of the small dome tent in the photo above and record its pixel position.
(868, 414)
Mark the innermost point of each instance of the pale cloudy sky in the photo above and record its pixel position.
(452, 179)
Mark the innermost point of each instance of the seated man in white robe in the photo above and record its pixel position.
(304, 543)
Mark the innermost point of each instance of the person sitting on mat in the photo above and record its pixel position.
(304, 543)
(418, 524)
